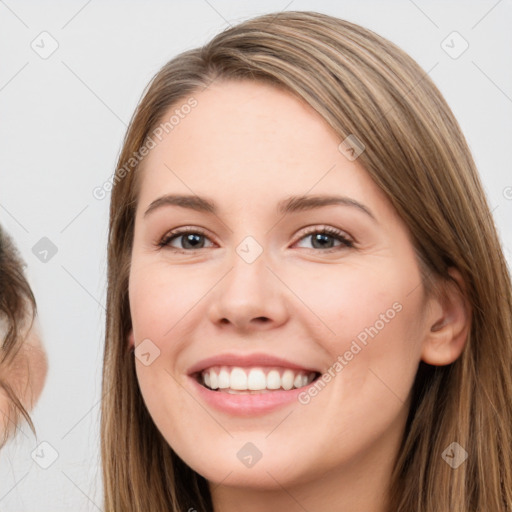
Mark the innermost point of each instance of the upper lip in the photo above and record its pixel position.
(246, 360)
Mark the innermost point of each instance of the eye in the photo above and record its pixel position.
(324, 238)
(187, 239)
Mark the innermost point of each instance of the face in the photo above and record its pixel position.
(260, 290)
(24, 371)
(25, 376)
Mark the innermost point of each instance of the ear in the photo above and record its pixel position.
(131, 340)
(449, 322)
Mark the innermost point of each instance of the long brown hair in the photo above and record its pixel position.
(364, 85)
(17, 312)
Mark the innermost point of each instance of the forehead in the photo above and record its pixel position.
(250, 139)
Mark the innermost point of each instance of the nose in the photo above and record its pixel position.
(249, 296)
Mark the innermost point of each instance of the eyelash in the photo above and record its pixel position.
(326, 230)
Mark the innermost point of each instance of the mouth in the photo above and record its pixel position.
(254, 380)
(251, 384)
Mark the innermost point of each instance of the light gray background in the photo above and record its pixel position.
(62, 120)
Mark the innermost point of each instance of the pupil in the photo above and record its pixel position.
(321, 237)
(192, 238)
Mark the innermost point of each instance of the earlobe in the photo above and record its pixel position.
(449, 322)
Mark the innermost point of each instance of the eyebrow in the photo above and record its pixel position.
(288, 205)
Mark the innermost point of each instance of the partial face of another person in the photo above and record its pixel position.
(324, 288)
(26, 376)
(24, 370)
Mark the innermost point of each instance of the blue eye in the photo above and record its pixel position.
(190, 239)
(325, 238)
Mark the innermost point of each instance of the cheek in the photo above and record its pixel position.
(349, 298)
(160, 299)
(159, 303)
(370, 325)
(164, 305)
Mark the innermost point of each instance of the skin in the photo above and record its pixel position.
(247, 146)
(26, 374)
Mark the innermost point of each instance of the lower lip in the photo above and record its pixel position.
(248, 404)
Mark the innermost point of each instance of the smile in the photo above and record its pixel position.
(255, 380)
(250, 384)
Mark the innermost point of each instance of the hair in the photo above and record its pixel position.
(17, 305)
(415, 151)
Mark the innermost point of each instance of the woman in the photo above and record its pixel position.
(308, 306)
(23, 364)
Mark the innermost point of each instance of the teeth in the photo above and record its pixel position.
(287, 379)
(273, 380)
(236, 379)
(256, 380)
(214, 380)
(223, 379)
